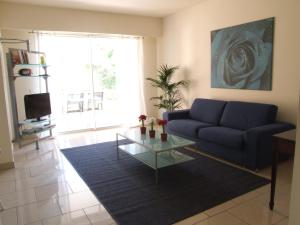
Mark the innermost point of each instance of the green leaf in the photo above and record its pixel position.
(170, 98)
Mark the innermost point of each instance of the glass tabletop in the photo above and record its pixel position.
(155, 144)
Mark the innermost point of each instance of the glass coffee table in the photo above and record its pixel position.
(152, 151)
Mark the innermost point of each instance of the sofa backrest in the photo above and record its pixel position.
(207, 110)
(246, 115)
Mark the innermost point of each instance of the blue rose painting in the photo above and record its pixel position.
(241, 56)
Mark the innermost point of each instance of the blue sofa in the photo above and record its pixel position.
(239, 132)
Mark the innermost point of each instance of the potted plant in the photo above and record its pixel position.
(143, 128)
(152, 131)
(163, 135)
(170, 98)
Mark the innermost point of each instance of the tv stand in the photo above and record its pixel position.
(33, 127)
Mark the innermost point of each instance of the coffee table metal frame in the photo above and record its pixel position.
(153, 152)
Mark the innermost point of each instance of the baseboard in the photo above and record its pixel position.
(5, 166)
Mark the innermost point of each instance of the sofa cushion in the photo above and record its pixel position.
(207, 110)
(246, 115)
(186, 127)
(224, 136)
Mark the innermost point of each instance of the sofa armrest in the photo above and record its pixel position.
(269, 129)
(176, 115)
(258, 142)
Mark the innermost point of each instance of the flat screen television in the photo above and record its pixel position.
(37, 105)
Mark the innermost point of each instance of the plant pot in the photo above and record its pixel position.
(143, 130)
(152, 133)
(164, 136)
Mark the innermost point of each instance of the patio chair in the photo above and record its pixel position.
(75, 102)
(96, 100)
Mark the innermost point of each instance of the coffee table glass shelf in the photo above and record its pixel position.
(152, 151)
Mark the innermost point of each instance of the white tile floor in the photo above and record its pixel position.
(44, 189)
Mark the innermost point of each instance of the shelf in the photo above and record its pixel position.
(147, 156)
(29, 127)
(155, 143)
(36, 130)
(32, 76)
(35, 122)
(32, 65)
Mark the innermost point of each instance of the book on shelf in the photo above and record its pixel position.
(24, 57)
(15, 56)
(19, 56)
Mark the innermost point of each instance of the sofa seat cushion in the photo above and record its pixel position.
(224, 136)
(187, 127)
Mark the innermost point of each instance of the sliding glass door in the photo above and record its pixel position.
(95, 81)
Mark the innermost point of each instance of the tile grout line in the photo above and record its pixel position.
(87, 216)
(62, 214)
(17, 212)
(238, 218)
(59, 207)
(202, 219)
(235, 204)
(36, 200)
(282, 220)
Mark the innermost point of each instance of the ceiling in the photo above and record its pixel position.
(156, 8)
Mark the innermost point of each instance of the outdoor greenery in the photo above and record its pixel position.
(105, 75)
(170, 97)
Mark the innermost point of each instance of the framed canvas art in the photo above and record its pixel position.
(241, 56)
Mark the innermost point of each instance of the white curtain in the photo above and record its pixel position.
(131, 81)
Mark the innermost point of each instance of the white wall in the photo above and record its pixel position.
(186, 42)
(150, 65)
(6, 155)
(18, 16)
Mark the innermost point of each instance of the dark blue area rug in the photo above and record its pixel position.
(127, 188)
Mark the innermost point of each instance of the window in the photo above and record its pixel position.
(96, 81)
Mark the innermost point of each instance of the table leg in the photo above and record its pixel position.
(273, 175)
(156, 170)
(117, 140)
